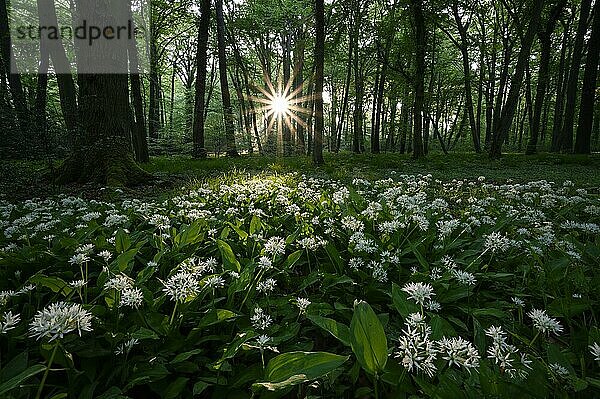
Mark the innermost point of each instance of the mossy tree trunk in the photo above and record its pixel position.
(103, 153)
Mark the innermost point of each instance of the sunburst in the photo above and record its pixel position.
(282, 105)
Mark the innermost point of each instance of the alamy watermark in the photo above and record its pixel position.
(93, 36)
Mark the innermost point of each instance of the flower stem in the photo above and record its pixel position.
(173, 314)
(41, 387)
(534, 338)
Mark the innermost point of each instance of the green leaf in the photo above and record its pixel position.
(241, 233)
(175, 389)
(199, 387)
(368, 339)
(122, 241)
(189, 235)
(335, 257)
(292, 259)
(216, 316)
(401, 303)
(287, 367)
(229, 260)
(338, 330)
(126, 257)
(20, 378)
(182, 357)
(255, 225)
(55, 284)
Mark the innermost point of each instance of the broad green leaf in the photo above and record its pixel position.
(255, 225)
(311, 365)
(185, 356)
(337, 329)
(175, 389)
(56, 284)
(229, 260)
(189, 235)
(292, 259)
(17, 380)
(368, 339)
(241, 233)
(199, 387)
(126, 257)
(216, 316)
(122, 241)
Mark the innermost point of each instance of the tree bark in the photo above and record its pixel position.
(201, 63)
(419, 83)
(228, 115)
(103, 154)
(508, 112)
(317, 155)
(14, 79)
(566, 139)
(545, 38)
(588, 93)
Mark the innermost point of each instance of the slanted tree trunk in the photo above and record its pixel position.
(566, 139)
(508, 111)
(317, 155)
(545, 38)
(588, 93)
(228, 115)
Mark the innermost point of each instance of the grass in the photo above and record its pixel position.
(582, 170)
(24, 179)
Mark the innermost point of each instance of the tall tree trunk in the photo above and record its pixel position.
(464, 50)
(154, 95)
(317, 155)
(139, 134)
(104, 153)
(561, 83)
(10, 69)
(346, 90)
(508, 112)
(375, 107)
(225, 96)
(66, 84)
(419, 83)
(201, 63)
(287, 89)
(566, 139)
(588, 93)
(545, 38)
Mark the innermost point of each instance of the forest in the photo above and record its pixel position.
(244, 77)
(299, 199)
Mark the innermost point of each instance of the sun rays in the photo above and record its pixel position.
(282, 105)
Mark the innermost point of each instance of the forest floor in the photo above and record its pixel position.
(20, 180)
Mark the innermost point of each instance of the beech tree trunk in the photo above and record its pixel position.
(317, 155)
(508, 111)
(545, 38)
(201, 63)
(588, 93)
(419, 82)
(103, 154)
(228, 115)
(566, 138)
